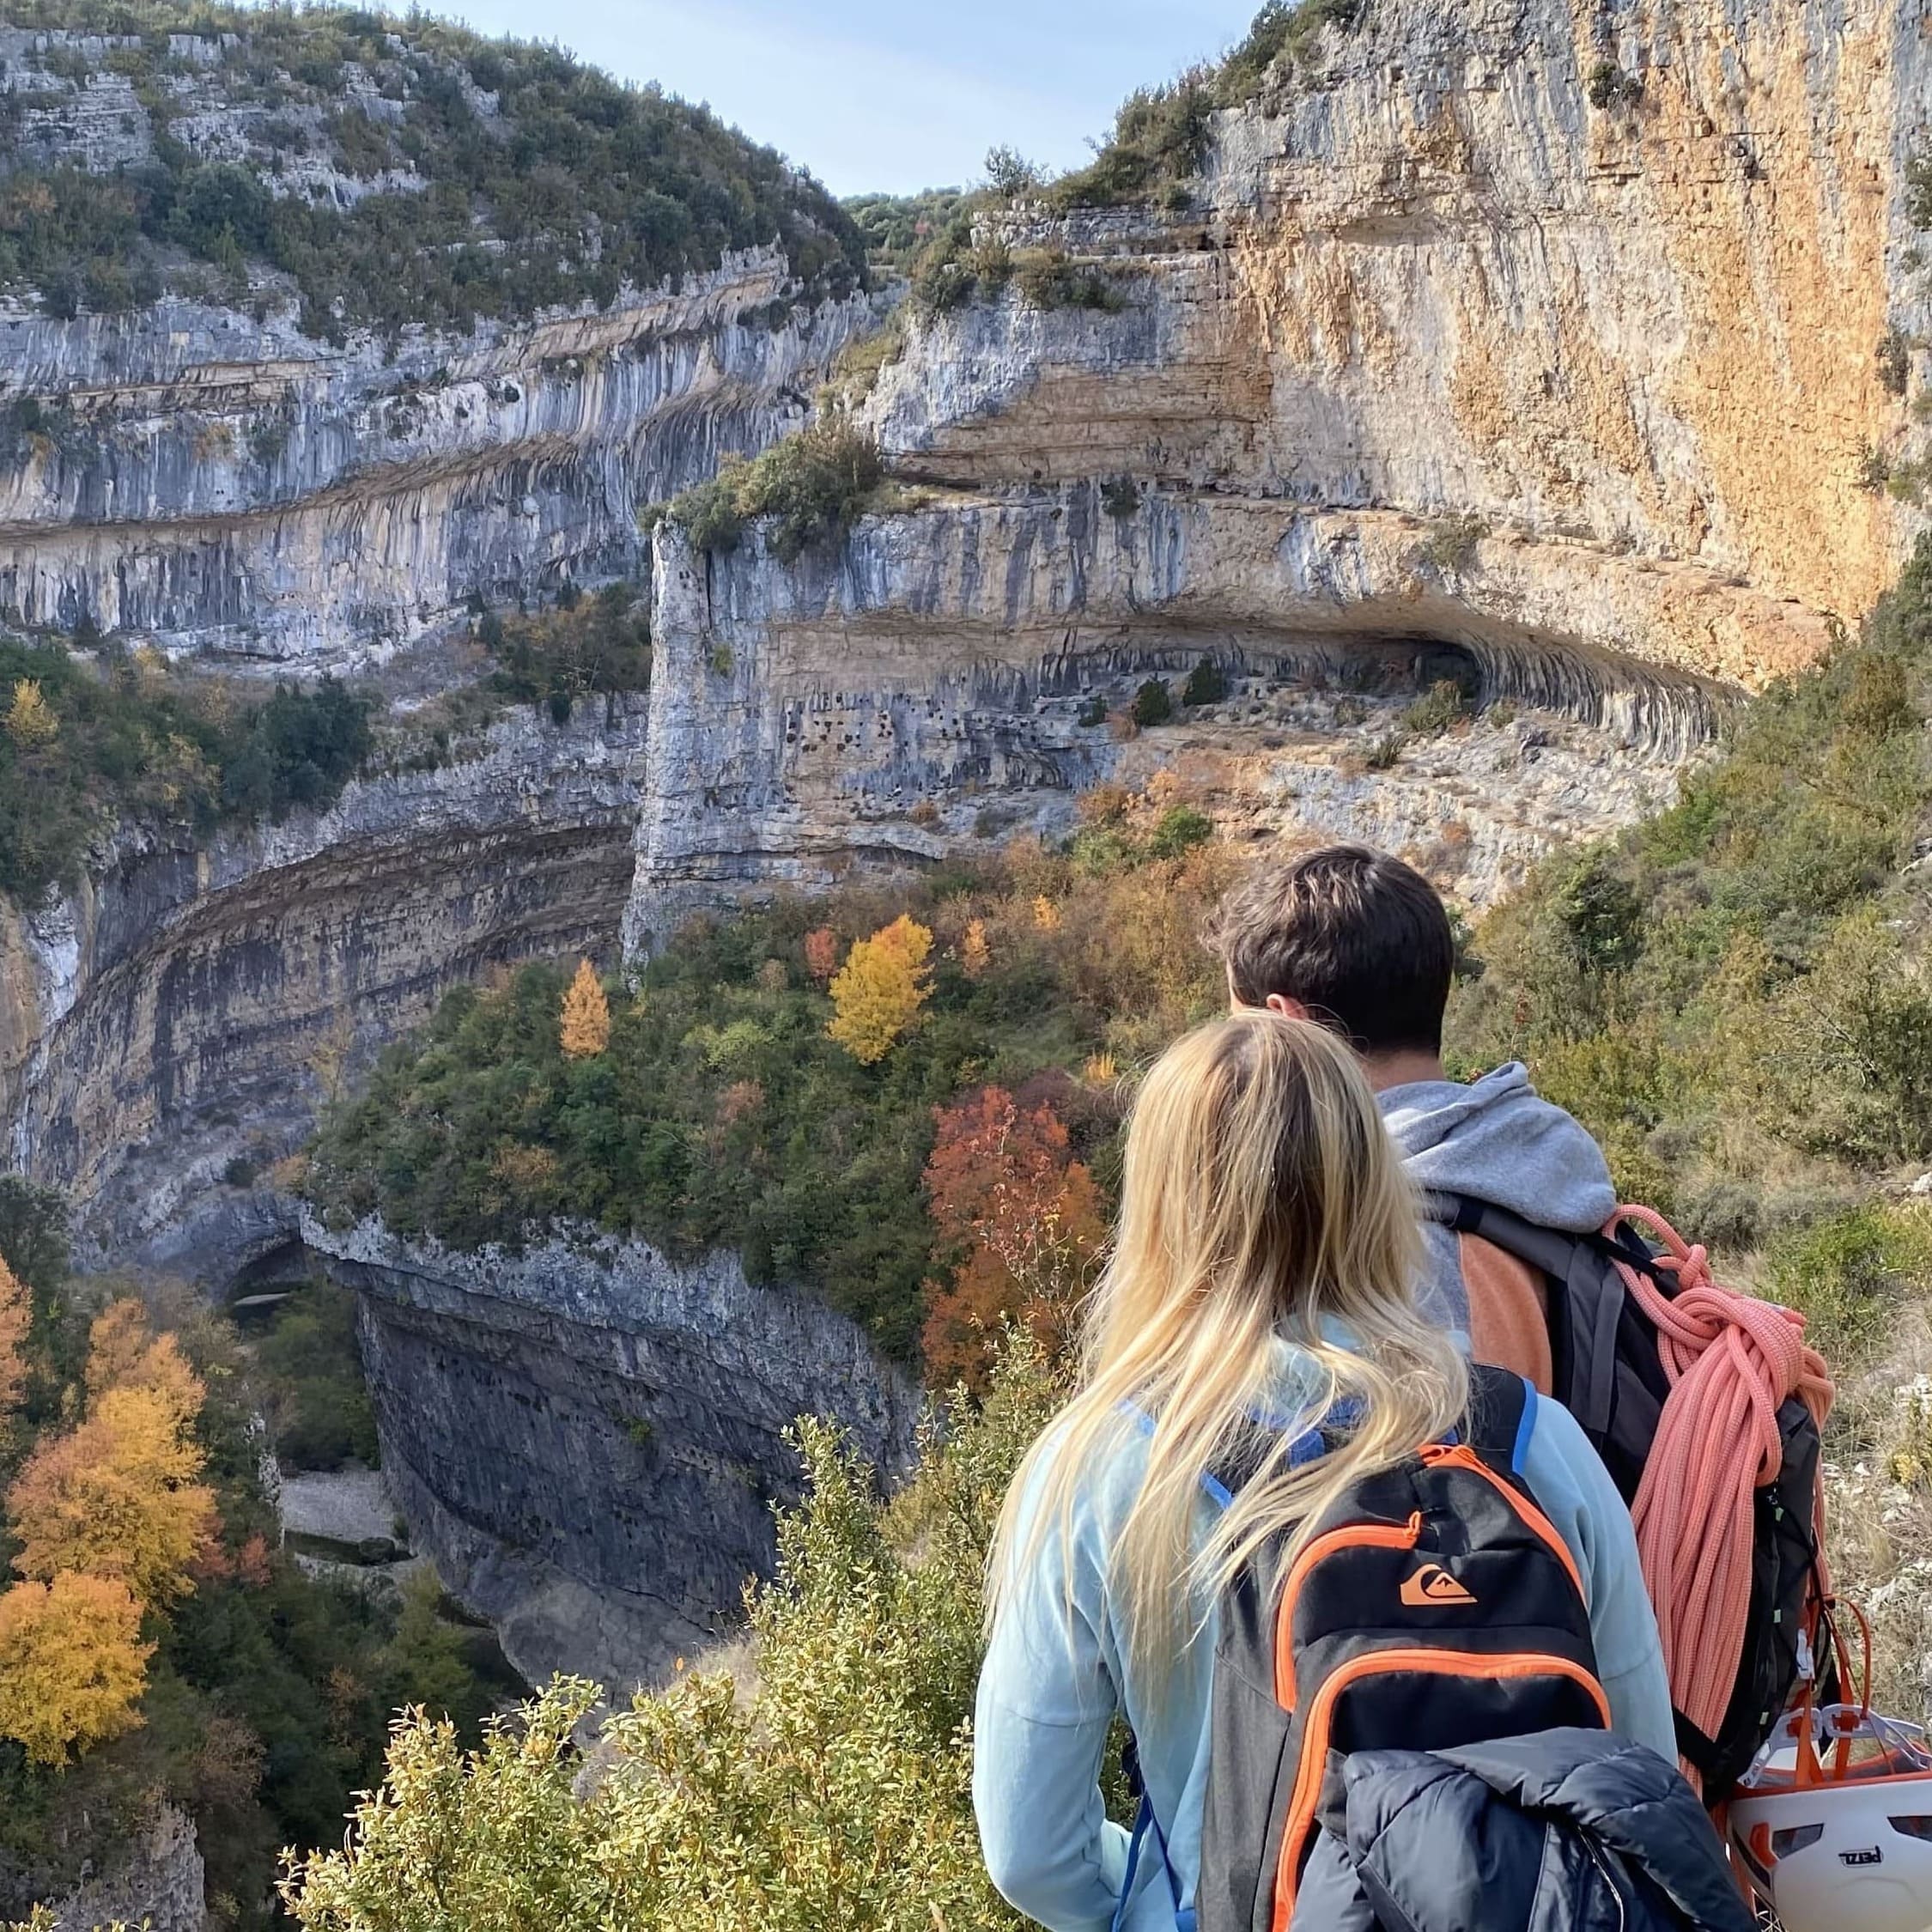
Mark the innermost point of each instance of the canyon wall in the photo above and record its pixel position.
(221, 484)
(1577, 346)
(188, 1008)
(589, 1436)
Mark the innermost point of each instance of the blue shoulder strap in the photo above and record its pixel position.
(1143, 1823)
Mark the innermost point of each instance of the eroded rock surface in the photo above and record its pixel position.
(588, 1437)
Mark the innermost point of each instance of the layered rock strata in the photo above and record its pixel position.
(223, 484)
(589, 1436)
(186, 1011)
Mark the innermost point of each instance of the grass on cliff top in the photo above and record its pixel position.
(534, 180)
(126, 738)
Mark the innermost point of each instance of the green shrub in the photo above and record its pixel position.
(835, 1792)
(1049, 278)
(1444, 703)
(1848, 1275)
(1894, 359)
(1120, 496)
(1153, 703)
(1207, 683)
(812, 485)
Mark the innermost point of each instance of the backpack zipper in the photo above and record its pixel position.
(1375, 1535)
(1314, 1760)
(1461, 1456)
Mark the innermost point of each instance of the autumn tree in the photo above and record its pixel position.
(586, 1015)
(1026, 1217)
(31, 722)
(16, 1317)
(1046, 914)
(125, 1352)
(118, 1496)
(878, 991)
(72, 1666)
(822, 953)
(975, 953)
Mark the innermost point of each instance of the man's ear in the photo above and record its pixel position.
(1289, 1009)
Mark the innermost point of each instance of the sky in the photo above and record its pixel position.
(888, 94)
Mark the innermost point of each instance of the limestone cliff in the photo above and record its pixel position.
(222, 484)
(189, 1008)
(588, 1437)
(1570, 344)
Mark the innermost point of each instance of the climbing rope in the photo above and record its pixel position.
(1733, 1361)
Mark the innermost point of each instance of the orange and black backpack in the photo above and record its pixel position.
(1435, 1606)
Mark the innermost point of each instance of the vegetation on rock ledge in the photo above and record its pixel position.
(127, 739)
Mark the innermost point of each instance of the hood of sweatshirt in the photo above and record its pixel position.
(1498, 1141)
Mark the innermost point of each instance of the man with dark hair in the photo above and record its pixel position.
(1359, 942)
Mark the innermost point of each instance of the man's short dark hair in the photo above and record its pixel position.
(1359, 938)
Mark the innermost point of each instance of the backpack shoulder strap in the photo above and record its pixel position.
(1502, 1408)
(1586, 1301)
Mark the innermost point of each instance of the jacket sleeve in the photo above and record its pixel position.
(1578, 1497)
(1045, 1701)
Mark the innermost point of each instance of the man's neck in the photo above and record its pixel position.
(1399, 1068)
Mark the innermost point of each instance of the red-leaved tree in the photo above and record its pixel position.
(1024, 1219)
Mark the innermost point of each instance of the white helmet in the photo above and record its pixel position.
(1834, 1831)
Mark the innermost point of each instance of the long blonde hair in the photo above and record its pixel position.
(1262, 1197)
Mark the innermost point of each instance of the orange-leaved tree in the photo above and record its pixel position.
(16, 1318)
(586, 1020)
(975, 951)
(877, 993)
(125, 1352)
(72, 1666)
(1004, 1191)
(822, 953)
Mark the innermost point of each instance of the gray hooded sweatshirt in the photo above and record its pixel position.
(1497, 1141)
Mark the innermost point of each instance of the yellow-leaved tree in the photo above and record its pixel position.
(16, 1317)
(877, 993)
(586, 1021)
(119, 1496)
(31, 722)
(975, 951)
(72, 1666)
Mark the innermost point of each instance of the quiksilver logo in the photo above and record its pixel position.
(1432, 1585)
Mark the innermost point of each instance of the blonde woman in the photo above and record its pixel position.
(1264, 1268)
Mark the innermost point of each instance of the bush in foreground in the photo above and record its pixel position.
(837, 1794)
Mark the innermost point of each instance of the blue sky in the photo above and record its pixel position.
(889, 93)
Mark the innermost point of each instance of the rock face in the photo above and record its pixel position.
(156, 1883)
(1613, 278)
(224, 484)
(190, 1007)
(588, 1437)
(1572, 346)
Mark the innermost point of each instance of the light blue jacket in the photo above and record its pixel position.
(1051, 1686)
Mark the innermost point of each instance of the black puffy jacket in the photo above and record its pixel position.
(1563, 1831)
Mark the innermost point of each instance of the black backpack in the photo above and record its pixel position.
(1606, 1371)
(1435, 1606)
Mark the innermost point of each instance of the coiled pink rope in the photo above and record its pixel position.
(1732, 1361)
